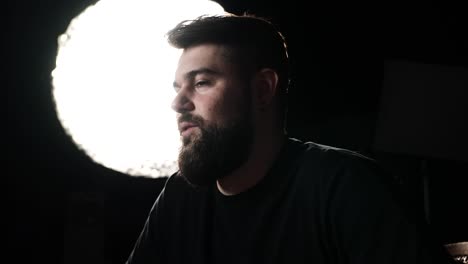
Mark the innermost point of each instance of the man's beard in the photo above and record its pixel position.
(214, 151)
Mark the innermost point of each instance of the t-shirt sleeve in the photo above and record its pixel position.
(369, 222)
(148, 247)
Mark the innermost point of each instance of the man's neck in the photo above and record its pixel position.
(263, 155)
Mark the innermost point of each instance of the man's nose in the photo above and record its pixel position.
(182, 102)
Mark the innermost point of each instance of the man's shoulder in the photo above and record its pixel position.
(324, 163)
(330, 155)
(323, 167)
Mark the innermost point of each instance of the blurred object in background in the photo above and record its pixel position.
(459, 251)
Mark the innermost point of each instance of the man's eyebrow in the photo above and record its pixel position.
(191, 74)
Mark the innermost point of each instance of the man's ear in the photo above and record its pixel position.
(265, 84)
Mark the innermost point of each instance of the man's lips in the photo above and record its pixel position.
(183, 126)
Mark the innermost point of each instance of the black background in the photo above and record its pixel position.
(67, 209)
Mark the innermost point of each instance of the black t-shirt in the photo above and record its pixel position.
(317, 204)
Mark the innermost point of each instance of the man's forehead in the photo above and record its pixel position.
(206, 56)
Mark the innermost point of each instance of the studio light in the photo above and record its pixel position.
(112, 84)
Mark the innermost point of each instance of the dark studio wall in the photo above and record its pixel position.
(67, 209)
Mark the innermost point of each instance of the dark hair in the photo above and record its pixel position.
(253, 42)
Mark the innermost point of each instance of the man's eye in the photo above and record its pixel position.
(202, 83)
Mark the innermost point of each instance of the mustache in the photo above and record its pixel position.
(195, 119)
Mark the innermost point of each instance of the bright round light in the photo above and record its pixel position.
(112, 84)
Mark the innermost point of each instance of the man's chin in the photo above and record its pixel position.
(210, 153)
(191, 137)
